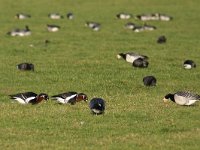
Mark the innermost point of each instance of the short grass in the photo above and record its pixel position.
(78, 59)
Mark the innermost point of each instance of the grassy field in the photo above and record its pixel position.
(79, 59)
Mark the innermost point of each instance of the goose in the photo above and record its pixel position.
(29, 97)
(130, 25)
(93, 25)
(149, 81)
(55, 16)
(138, 29)
(149, 27)
(70, 97)
(164, 17)
(147, 17)
(22, 16)
(189, 64)
(53, 28)
(70, 15)
(123, 16)
(25, 66)
(140, 63)
(131, 56)
(97, 106)
(161, 39)
(182, 98)
(20, 32)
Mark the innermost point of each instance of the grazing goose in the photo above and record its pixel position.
(162, 39)
(55, 16)
(70, 97)
(138, 29)
(189, 64)
(93, 25)
(131, 57)
(53, 28)
(130, 25)
(123, 16)
(149, 27)
(97, 106)
(25, 66)
(20, 32)
(155, 16)
(164, 17)
(70, 15)
(22, 16)
(147, 17)
(182, 98)
(29, 97)
(140, 63)
(149, 81)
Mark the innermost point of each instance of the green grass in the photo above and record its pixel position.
(78, 59)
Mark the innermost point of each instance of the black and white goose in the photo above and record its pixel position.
(29, 97)
(55, 16)
(147, 17)
(70, 97)
(130, 25)
(131, 56)
(93, 25)
(140, 63)
(149, 81)
(189, 64)
(138, 28)
(70, 16)
(161, 39)
(149, 27)
(97, 106)
(53, 28)
(25, 66)
(20, 32)
(164, 17)
(123, 16)
(182, 98)
(22, 16)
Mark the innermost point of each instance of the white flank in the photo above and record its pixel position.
(187, 66)
(190, 102)
(70, 97)
(19, 100)
(29, 99)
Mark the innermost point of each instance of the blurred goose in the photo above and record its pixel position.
(149, 81)
(182, 98)
(161, 39)
(93, 25)
(140, 63)
(130, 25)
(25, 66)
(138, 29)
(149, 27)
(55, 16)
(164, 17)
(123, 16)
(70, 97)
(189, 64)
(131, 57)
(29, 97)
(97, 106)
(70, 15)
(53, 28)
(147, 17)
(22, 16)
(20, 32)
